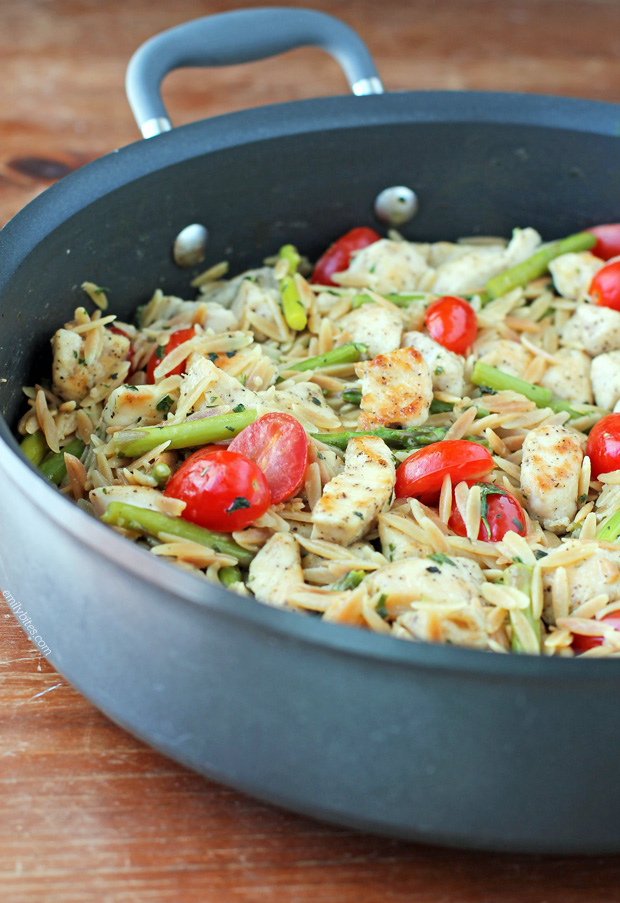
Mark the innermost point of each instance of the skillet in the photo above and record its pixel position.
(429, 743)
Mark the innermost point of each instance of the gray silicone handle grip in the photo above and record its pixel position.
(235, 37)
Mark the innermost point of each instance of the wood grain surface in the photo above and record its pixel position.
(87, 813)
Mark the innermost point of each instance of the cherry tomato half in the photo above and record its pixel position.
(605, 286)
(452, 322)
(500, 512)
(581, 642)
(607, 240)
(603, 445)
(176, 338)
(223, 490)
(279, 445)
(131, 350)
(338, 256)
(421, 474)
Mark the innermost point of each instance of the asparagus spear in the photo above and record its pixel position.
(421, 435)
(292, 307)
(143, 520)
(537, 264)
(35, 447)
(520, 576)
(349, 353)
(229, 575)
(610, 531)
(161, 473)
(486, 375)
(54, 467)
(133, 443)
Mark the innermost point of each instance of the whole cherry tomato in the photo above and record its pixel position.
(582, 642)
(605, 286)
(452, 322)
(176, 338)
(421, 474)
(338, 256)
(500, 513)
(131, 350)
(603, 445)
(607, 240)
(223, 490)
(279, 445)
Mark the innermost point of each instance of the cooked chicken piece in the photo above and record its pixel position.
(276, 570)
(396, 389)
(573, 273)
(167, 310)
(211, 315)
(259, 309)
(140, 405)
(379, 328)
(605, 376)
(472, 269)
(387, 266)
(353, 500)
(594, 329)
(140, 496)
(569, 378)
(505, 354)
(225, 293)
(412, 580)
(305, 402)
(72, 376)
(600, 573)
(445, 367)
(552, 457)
(206, 386)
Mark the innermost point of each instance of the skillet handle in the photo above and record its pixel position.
(241, 36)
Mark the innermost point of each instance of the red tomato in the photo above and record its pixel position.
(607, 240)
(338, 256)
(176, 338)
(452, 322)
(603, 445)
(581, 642)
(501, 513)
(131, 350)
(421, 474)
(605, 287)
(223, 490)
(279, 445)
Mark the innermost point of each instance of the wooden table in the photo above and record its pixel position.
(87, 813)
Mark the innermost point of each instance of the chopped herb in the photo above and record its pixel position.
(164, 404)
(238, 408)
(380, 607)
(160, 352)
(315, 400)
(113, 376)
(230, 353)
(540, 553)
(583, 498)
(359, 514)
(213, 356)
(348, 581)
(231, 428)
(82, 361)
(441, 558)
(517, 523)
(239, 503)
(438, 371)
(133, 388)
(433, 570)
(75, 354)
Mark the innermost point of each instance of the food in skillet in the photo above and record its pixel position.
(417, 438)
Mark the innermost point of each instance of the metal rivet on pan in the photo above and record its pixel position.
(396, 205)
(189, 245)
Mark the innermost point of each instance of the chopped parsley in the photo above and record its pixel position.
(164, 404)
(441, 558)
(160, 352)
(239, 408)
(239, 503)
(380, 607)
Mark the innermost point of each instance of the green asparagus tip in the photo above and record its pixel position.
(189, 434)
(292, 307)
(349, 353)
(54, 467)
(35, 447)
